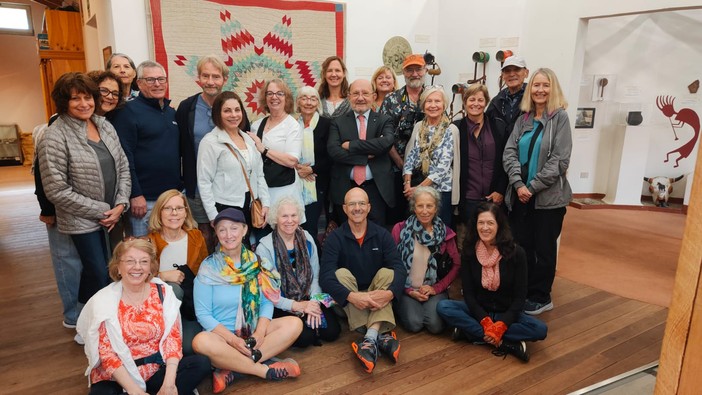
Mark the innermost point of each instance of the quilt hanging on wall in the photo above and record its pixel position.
(257, 39)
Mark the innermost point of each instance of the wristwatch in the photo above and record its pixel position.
(265, 151)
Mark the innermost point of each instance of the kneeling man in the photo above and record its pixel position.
(362, 270)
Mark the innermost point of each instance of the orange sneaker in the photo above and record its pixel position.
(284, 369)
(389, 345)
(221, 379)
(367, 352)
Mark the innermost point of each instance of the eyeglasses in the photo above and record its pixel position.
(134, 262)
(280, 94)
(440, 87)
(153, 80)
(104, 92)
(354, 204)
(359, 94)
(178, 209)
(308, 99)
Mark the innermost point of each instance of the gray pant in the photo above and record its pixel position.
(415, 315)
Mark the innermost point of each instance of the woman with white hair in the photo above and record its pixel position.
(313, 168)
(430, 156)
(295, 255)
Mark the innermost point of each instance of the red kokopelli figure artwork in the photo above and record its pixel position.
(685, 116)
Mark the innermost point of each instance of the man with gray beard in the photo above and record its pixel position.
(403, 108)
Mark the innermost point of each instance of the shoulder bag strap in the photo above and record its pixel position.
(243, 170)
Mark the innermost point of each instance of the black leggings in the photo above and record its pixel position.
(310, 336)
(191, 370)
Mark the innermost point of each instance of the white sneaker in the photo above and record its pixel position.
(67, 325)
(78, 339)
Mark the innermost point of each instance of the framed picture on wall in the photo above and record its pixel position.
(106, 53)
(585, 118)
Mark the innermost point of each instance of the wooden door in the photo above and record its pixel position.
(53, 67)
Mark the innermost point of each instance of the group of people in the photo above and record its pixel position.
(208, 224)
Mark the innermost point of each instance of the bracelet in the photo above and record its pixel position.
(406, 182)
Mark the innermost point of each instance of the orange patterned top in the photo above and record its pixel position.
(142, 330)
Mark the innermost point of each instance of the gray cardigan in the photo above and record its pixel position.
(550, 185)
(72, 177)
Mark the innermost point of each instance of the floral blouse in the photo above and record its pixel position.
(142, 330)
(441, 166)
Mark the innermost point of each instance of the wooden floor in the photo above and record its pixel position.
(593, 335)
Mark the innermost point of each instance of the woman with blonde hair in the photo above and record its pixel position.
(132, 330)
(536, 160)
(180, 246)
(384, 82)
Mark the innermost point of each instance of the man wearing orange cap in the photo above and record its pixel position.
(403, 108)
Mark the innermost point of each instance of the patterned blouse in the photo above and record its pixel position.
(441, 166)
(142, 330)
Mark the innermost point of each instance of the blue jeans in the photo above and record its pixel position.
(456, 314)
(94, 255)
(140, 226)
(67, 268)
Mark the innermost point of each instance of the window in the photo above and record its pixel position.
(16, 19)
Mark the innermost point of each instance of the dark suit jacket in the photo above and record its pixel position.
(185, 117)
(379, 140)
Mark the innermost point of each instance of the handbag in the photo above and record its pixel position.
(444, 262)
(276, 174)
(256, 205)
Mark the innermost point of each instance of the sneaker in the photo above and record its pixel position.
(67, 325)
(78, 339)
(457, 334)
(367, 352)
(518, 349)
(221, 378)
(536, 308)
(287, 368)
(389, 345)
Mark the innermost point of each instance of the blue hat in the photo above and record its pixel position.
(231, 214)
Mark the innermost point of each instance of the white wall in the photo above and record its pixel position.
(549, 33)
(21, 98)
(637, 50)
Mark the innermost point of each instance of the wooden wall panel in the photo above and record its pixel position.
(681, 355)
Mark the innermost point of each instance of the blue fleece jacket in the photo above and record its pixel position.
(150, 139)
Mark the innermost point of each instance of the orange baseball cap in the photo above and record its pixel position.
(414, 60)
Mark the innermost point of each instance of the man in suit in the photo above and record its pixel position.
(194, 117)
(359, 142)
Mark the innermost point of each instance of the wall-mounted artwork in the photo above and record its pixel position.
(603, 87)
(258, 40)
(679, 120)
(585, 118)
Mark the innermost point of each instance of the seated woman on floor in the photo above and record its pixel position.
(494, 277)
(180, 248)
(428, 250)
(234, 295)
(294, 253)
(132, 330)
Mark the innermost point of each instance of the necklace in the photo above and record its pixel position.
(138, 302)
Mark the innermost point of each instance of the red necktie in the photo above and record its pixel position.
(359, 172)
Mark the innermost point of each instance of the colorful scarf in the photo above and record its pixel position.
(428, 145)
(490, 278)
(295, 282)
(309, 188)
(253, 275)
(414, 231)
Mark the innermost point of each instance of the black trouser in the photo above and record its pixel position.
(313, 212)
(191, 370)
(537, 231)
(310, 336)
